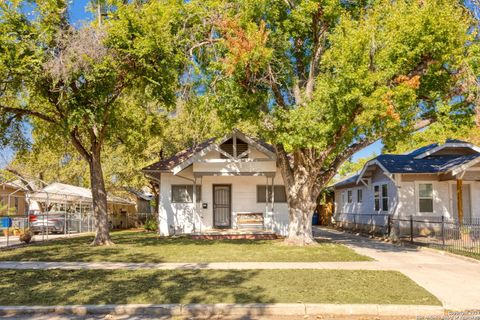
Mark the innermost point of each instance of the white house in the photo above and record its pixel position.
(432, 181)
(230, 183)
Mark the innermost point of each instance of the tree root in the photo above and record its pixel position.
(300, 241)
(99, 242)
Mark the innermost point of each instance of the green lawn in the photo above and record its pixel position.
(148, 247)
(61, 287)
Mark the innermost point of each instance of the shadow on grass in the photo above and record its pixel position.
(138, 247)
(60, 287)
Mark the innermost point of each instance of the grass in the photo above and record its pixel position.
(131, 246)
(61, 287)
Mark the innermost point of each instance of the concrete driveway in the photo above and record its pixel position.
(455, 281)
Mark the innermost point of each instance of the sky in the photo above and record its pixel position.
(79, 13)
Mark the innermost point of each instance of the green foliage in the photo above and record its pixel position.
(151, 225)
(378, 68)
(350, 167)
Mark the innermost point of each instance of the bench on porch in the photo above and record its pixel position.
(250, 220)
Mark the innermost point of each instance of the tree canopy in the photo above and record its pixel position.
(324, 79)
(319, 79)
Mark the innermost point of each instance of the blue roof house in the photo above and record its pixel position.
(433, 181)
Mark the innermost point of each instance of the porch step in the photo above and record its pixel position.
(234, 235)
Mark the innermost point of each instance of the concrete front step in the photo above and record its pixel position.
(205, 310)
(234, 234)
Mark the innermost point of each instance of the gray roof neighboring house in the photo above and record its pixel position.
(410, 163)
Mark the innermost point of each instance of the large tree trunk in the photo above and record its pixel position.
(303, 189)
(300, 208)
(99, 194)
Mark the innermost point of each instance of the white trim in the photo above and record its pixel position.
(448, 145)
(417, 196)
(350, 190)
(370, 163)
(255, 144)
(451, 195)
(360, 189)
(380, 184)
(216, 146)
(458, 169)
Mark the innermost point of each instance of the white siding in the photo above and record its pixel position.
(367, 205)
(181, 217)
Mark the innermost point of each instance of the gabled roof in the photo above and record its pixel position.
(185, 157)
(408, 164)
(169, 163)
(450, 143)
(422, 160)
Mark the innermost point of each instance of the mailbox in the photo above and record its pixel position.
(204, 205)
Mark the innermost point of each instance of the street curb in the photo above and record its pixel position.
(255, 309)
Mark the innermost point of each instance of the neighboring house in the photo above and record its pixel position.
(432, 181)
(225, 183)
(13, 199)
(59, 198)
(144, 200)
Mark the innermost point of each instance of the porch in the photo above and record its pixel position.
(234, 234)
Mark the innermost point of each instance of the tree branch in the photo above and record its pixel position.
(201, 44)
(78, 145)
(26, 112)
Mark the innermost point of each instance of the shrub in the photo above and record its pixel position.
(150, 225)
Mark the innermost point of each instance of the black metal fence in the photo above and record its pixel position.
(436, 231)
(440, 232)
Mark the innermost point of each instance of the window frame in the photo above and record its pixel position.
(385, 197)
(359, 195)
(269, 187)
(380, 198)
(418, 197)
(349, 196)
(198, 195)
(376, 198)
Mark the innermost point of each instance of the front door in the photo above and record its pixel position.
(222, 206)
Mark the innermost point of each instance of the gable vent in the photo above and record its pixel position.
(227, 146)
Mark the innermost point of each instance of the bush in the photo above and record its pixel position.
(26, 236)
(150, 225)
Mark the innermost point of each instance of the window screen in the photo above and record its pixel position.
(359, 195)
(384, 197)
(349, 196)
(376, 195)
(425, 197)
(184, 193)
(279, 194)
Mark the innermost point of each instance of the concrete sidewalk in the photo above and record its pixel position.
(453, 280)
(239, 311)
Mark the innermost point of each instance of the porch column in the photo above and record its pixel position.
(266, 195)
(273, 193)
(194, 198)
(163, 228)
(460, 200)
